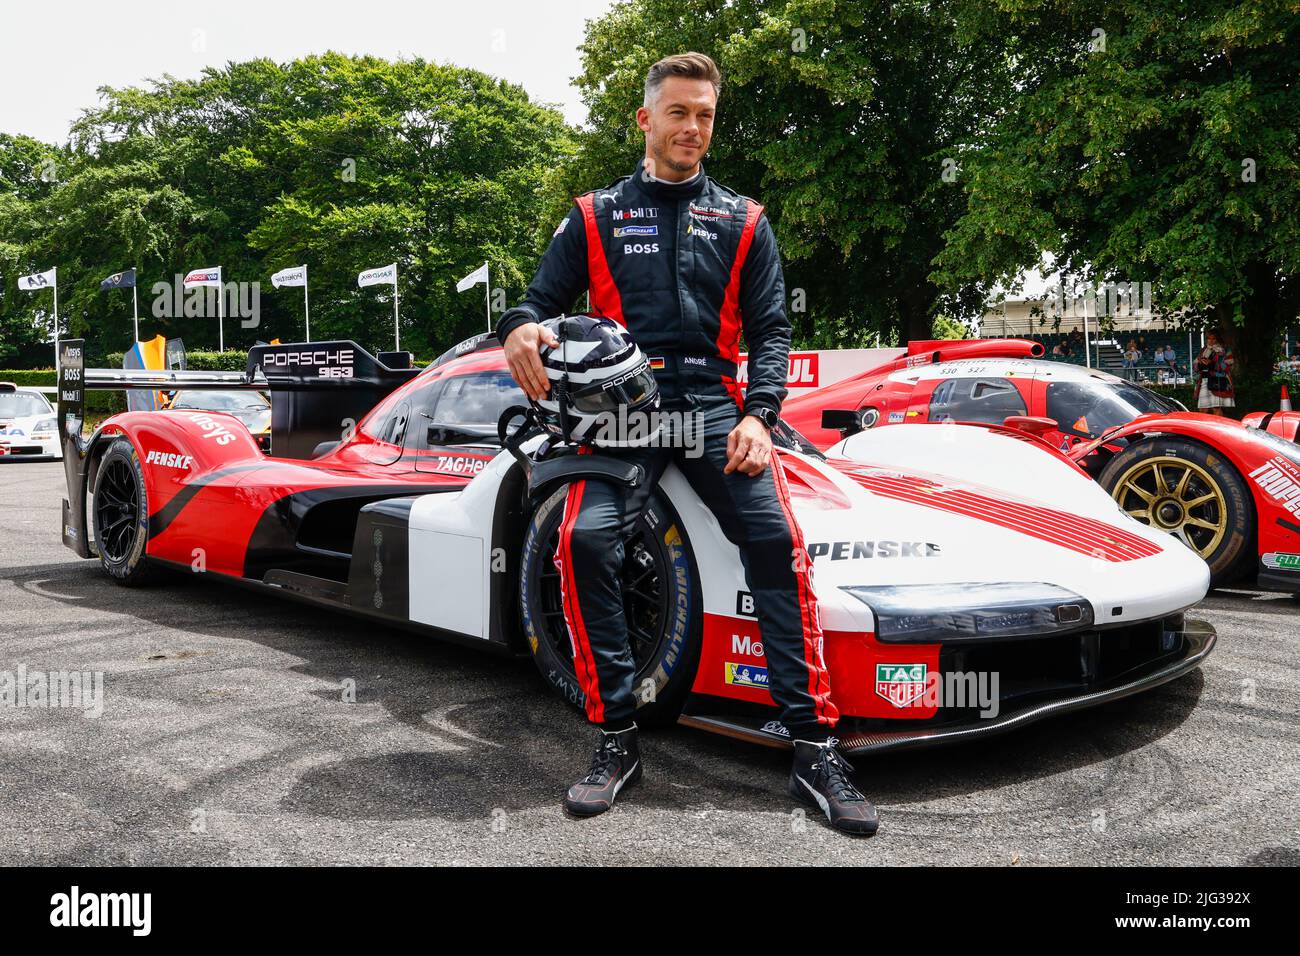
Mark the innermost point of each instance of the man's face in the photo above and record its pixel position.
(678, 126)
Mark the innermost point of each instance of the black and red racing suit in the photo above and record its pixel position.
(686, 268)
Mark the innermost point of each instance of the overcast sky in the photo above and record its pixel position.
(55, 54)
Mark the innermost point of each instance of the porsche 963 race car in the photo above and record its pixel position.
(388, 494)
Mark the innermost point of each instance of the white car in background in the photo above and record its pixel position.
(29, 426)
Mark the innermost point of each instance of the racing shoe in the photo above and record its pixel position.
(617, 764)
(820, 777)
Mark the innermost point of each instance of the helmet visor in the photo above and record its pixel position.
(630, 392)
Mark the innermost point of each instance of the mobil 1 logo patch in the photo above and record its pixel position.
(745, 604)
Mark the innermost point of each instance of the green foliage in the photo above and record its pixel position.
(345, 163)
(30, 377)
(837, 115)
(231, 360)
(1151, 141)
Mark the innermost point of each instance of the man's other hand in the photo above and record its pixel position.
(749, 447)
(523, 354)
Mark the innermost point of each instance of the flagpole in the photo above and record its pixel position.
(221, 312)
(487, 293)
(56, 319)
(397, 329)
(306, 303)
(135, 307)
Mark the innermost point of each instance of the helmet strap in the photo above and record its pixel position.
(562, 387)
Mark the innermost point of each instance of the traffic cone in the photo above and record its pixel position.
(1286, 401)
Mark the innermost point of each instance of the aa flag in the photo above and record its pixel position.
(378, 276)
(119, 280)
(41, 280)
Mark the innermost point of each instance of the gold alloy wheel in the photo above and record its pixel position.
(1176, 496)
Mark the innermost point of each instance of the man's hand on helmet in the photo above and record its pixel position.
(523, 347)
(749, 447)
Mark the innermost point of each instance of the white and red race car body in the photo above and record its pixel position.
(924, 568)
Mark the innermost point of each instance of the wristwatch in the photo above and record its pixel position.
(766, 416)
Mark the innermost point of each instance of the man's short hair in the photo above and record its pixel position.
(693, 66)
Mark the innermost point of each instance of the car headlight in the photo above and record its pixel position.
(947, 613)
(45, 425)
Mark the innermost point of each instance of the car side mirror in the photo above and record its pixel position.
(1031, 425)
(846, 421)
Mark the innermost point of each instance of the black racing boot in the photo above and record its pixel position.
(820, 777)
(617, 764)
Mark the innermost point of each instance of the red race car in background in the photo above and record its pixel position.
(1229, 490)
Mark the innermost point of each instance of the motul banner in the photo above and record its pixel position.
(818, 368)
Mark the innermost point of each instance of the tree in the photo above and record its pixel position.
(1152, 141)
(345, 163)
(28, 169)
(845, 119)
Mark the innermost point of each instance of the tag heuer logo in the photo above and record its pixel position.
(900, 684)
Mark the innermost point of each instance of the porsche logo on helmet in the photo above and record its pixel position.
(901, 684)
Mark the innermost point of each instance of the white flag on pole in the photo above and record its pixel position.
(41, 280)
(203, 277)
(474, 278)
(296, 275)
(378, 276)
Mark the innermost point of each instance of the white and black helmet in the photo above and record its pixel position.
(602, 389)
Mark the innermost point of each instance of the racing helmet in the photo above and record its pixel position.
(602, 391)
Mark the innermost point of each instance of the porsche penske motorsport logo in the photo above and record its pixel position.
(1278, 479)
(901, 684)
(745, 675)
(707, 212)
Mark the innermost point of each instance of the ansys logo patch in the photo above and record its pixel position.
(900, 684)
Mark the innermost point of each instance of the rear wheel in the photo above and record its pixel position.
(1191, 492)
(120, 509)
(661, 604)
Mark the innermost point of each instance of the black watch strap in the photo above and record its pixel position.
(766, 416)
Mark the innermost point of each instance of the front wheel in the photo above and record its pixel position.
(120, 508)
(661, 604)
(1191, 492)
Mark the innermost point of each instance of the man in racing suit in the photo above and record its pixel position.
(686, 265)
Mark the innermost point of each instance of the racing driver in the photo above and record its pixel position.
(686, 265)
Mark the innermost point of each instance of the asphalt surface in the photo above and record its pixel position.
(227, 737)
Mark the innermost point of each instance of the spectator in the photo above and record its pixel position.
(1132, 355)
(1214, 391)
(1169, 358)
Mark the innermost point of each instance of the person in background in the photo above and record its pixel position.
(1169, 358)
(1131, 355)
(1214, 390)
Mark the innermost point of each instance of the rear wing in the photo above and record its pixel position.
(318, 389)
